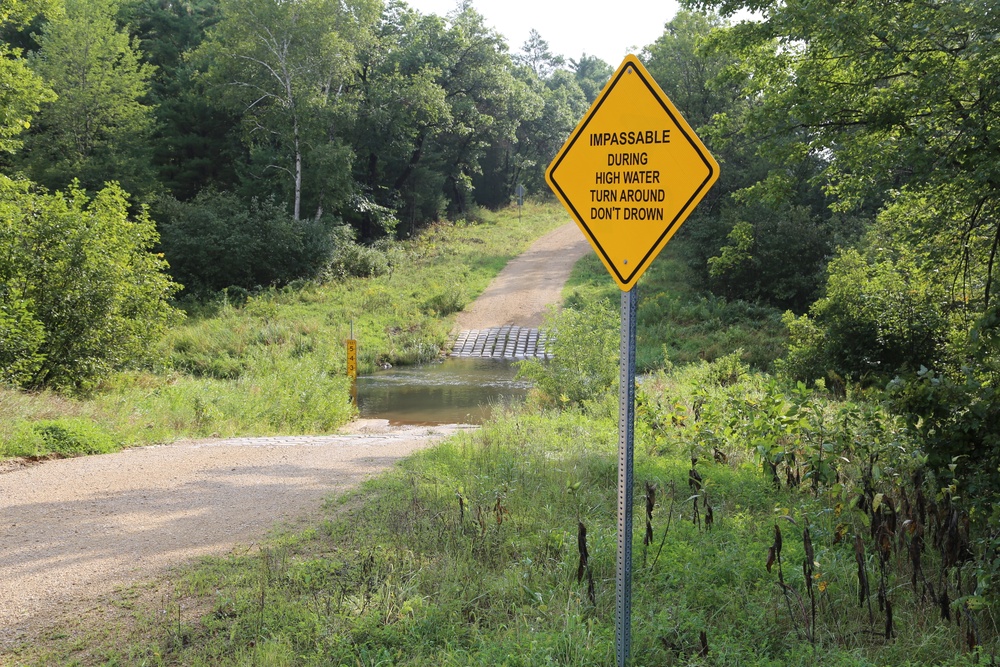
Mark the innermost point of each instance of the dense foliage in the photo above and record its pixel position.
(80, 292)
(218, 240)
(883, 117)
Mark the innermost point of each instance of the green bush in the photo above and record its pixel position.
(357, 260)
(82, 295)
(777, 259)
(957, 415)
(218, 241)
(876, 320)
(584, 343)
(63, 437)
(447, 301)
(21, 335)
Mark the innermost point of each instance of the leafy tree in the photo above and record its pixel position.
(764, 232)
(98, 128)
(82, 294)
(592, 74)
(485, 99)
(400, 108)
(957, 416)
(898, 98)
(540, 138)
(555, 104)
(282, 66)
(897, 104)
(690, 74)
(21, 90)
(778, 259)
(21, 337)
(536, 56)
(195, 143)
(432, 96)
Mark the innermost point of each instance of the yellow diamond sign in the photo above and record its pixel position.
(631, 172)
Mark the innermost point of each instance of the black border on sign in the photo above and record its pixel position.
(681, 125)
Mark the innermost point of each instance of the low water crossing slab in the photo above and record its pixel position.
(506, 342)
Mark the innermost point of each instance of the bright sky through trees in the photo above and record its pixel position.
(608, 30)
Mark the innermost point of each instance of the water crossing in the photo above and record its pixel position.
(456, 390)
(464, 388)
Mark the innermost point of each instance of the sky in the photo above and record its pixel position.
(608, 29)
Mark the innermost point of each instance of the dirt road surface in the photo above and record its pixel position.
(74, 530)
(522, 293)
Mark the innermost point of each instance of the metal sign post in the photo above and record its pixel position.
(630, 174)
(626, 439)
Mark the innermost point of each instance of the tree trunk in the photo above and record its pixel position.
(298, 170)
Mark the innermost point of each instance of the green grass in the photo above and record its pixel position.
(276, 364)
(467, 555)
(61, 437)
(677, 322)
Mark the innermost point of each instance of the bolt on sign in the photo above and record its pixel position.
(631, 172)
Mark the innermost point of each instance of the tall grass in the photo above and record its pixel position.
(679, 323)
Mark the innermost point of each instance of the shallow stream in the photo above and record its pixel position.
(456, 390)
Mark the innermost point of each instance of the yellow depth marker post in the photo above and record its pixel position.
(352, 359)
(352, 364)
(630, 174)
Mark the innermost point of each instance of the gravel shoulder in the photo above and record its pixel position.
(74, 531)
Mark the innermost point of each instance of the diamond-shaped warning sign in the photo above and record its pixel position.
(631, 172)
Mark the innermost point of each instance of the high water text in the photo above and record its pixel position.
(627, 177)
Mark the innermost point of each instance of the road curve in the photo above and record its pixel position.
(522, 293)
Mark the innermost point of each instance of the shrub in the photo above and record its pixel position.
(777, 257)
(82, 295)
(64, 437)
(584, 343)
(353, 259)
(446, 301)
(21, 335)
(877, 319)
(218, 241)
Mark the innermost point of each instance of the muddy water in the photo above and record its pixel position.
(456, 390)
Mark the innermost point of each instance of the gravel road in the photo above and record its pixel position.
(75, 530)
(522, 293)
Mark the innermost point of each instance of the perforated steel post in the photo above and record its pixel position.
(626, 438)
